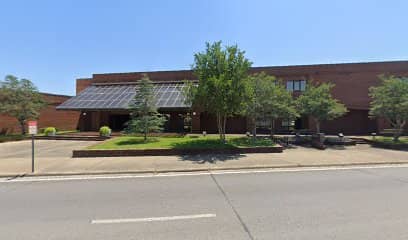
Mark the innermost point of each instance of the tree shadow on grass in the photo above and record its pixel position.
(136, 141)
(202, 144)
(207, 144)
(211, 158)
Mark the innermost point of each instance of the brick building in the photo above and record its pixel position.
(49, 116)
(103, 99)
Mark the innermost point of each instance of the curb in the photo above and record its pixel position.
(191, 170)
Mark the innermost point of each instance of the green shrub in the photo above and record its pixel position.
(11, 138)
(50, 131)
(105, 131)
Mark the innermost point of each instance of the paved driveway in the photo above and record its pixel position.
(15, 157)
(43, 148)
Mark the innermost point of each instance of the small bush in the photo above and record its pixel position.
(50, 131)
(105, 131)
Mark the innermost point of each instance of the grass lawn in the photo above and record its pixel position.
(184, 142)
(12, 137)
(18, 137)
(401, 140)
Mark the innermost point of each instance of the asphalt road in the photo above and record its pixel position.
(335, 204)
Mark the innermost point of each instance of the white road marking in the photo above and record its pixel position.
(152, 219)
(181, 174)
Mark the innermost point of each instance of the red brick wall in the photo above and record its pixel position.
(353, 122)
(82, 83)
(154, 76)
(8, 125)
(236, 124)
(352, 82)
(49, 117)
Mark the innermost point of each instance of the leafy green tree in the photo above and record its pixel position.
(19, 98)
(144, 115)
(189, 91)
(269, 100)
(318, 103)
(260, 84)
(280, 105)
(390, 101)
(223, 88)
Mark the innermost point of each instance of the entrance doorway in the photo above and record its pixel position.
(298, 124)
(117, 121)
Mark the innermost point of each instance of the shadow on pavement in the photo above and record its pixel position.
(308, 146)
(210, 158)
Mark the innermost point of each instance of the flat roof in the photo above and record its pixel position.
(270, 67)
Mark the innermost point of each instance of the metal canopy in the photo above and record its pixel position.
(120, 96)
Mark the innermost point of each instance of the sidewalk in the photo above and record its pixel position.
(298, 157)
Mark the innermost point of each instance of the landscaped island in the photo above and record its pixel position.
(178, 145)
(401, 140)
(390, 143)
(181, 142)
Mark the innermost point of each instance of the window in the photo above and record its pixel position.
(287, 123)
(263, 123)
(296, 85)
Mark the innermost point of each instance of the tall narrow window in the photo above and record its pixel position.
(296, 85)
(289, 86)
(302, 85)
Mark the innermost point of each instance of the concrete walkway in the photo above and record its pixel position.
(54, 157)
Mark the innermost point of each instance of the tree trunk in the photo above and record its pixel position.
(272, 128)
(254, 130)
(22, 126)
(219, 125)
(396, 136)
(224, 123)
(398, 130)
(221, 122)
(145, 131)
(317, 126)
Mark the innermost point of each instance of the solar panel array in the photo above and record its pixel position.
(106, 97)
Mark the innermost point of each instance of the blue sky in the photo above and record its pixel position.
(54, 42)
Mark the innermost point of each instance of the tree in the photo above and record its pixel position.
(260, 85)
(19, 98)
(189, 91)
(144, 115)
(223, 88)
(280, 105)
(269, 99)
(390, 101)
(318, 103)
